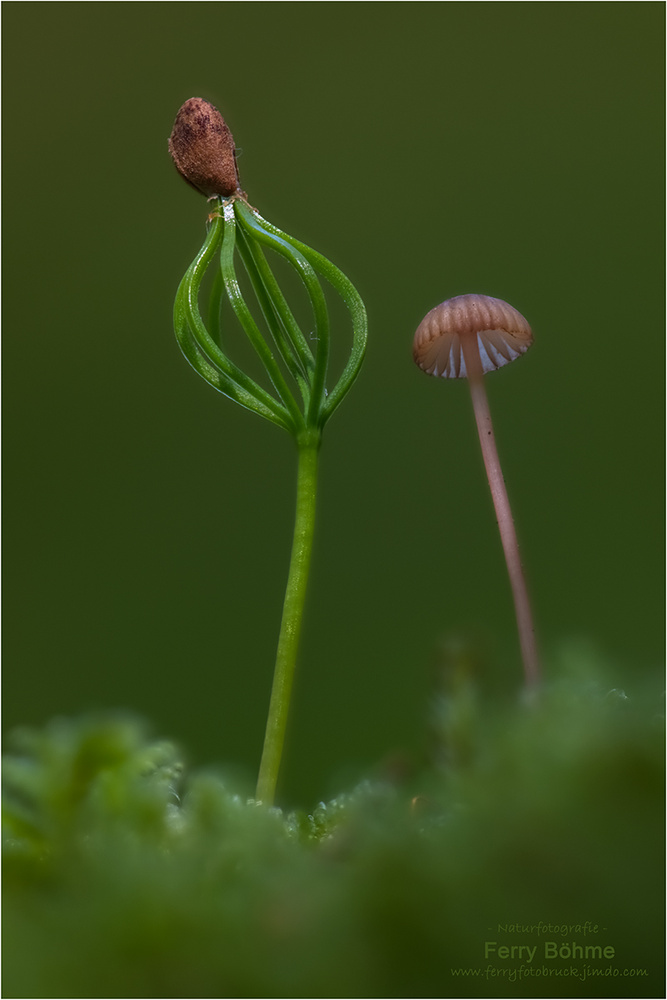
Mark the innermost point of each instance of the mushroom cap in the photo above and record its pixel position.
(499, 330)
(202, 148)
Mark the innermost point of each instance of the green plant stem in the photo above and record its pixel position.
(290, 628)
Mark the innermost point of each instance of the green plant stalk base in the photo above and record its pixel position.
(290, 628)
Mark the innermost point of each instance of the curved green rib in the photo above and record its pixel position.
(204, 354)
(214, 307)
(284, 329)
(246, 320)
(255, 226)
(350, 296)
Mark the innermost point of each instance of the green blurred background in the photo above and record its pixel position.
(428, 149)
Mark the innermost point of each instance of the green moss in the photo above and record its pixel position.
(126, 877)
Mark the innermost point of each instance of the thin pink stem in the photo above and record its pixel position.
(501, 503)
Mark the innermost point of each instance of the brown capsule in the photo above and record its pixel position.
(202, 148)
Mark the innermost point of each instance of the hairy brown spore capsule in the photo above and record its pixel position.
(202, 148)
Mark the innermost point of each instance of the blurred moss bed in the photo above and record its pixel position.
(126, 876)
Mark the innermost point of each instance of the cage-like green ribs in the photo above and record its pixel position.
(292, 361)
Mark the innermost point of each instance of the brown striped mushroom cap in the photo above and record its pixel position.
(447, 333)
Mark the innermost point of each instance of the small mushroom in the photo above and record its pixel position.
(465, 337)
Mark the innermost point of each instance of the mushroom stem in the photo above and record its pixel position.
(524, 616)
